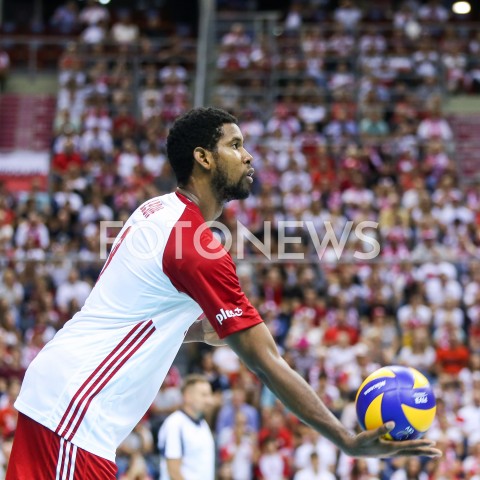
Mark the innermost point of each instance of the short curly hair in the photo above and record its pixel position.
(200, 127)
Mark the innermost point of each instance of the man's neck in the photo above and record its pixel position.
(191, 196)
(191, 413)
(202, 195)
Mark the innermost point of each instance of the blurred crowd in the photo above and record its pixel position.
(345, 124)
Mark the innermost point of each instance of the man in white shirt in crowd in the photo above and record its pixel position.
(185, 440)
(73, 289)
(314, 471)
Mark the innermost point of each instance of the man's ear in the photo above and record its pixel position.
(203, 158)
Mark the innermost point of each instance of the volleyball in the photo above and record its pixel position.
(399, 394)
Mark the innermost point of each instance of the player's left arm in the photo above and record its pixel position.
(256, 347)
(209, 277)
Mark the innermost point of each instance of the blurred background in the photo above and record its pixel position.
(353, 111)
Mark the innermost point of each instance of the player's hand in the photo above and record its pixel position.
(372, 444)
(210, 335)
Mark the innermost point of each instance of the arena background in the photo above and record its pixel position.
(354, 112)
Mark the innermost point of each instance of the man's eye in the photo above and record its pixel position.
(235, 145)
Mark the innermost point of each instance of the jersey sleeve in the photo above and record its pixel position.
(198, 265)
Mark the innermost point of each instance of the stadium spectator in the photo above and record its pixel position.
(434, 126)
(469, 414)
(94, 34)
(65, 18)
(124, 31)
(451, 353)
(12, 291)
(236, 36)
(8, 414)
(71, 98)
(74, 289)
(315, 471)
(471, 463)
(237, 447)
(272, 465)
(341, 130)
(32, 234)
(348, 14)
(93, 13)
(228, 411)
(4, 69)
(68, 156)
(419, 354)
(275, 428)
(137, 468)
(96, 139)
(293, 18)
(349, 468)
(134, 450)
(372, 127)
(441, 286)
(414, 314)
(412, 468)
(433, 12)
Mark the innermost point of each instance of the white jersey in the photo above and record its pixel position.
(182, 437)
(95, 380)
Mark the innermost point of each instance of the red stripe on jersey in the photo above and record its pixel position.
(109, 360)
(102, 385)
(95, 372)
(92, 391)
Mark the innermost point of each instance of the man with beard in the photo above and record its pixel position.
(89, 387)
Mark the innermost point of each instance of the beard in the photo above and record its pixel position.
(225, 190)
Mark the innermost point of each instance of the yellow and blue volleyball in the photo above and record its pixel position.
(399, 394)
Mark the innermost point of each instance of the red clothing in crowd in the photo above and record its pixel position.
(62, 161)
(331, 334)
(452, 360)
(8, 420)
(283, 436)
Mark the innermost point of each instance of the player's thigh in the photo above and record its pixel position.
(34, 452)
(92, 467)
(40, 454)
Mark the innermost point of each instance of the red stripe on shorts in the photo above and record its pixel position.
(38, 453)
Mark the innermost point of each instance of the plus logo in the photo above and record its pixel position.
(224, 314)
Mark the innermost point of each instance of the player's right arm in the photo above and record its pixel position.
(256, 347)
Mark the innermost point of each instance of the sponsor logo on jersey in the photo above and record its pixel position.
(224, 314)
